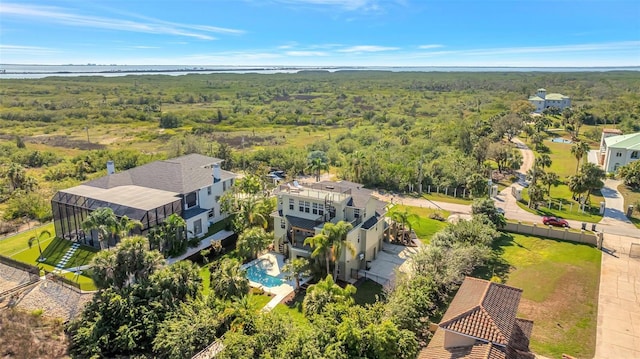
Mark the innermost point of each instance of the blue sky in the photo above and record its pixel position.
(322, 32)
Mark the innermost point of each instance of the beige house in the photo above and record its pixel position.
(303, 210)
(481, 323)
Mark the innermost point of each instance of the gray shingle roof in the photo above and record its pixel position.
(181, 175)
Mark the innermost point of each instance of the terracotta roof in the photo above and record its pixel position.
(479, 350)
(484, 310)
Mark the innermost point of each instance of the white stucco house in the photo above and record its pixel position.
(190, 186)
(619, 150)
(302, 211)
(543, 100)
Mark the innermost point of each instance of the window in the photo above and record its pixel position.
(209, 190)
(212, 212)
(292, 203)
(618, 154)
(307, 207)
(634, 154)
(314, 208)
(356, 213)
(197, 226)
(191, 199)
(321, 209)
(282, 224)
(301, 206)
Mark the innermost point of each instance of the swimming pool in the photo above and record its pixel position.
(259, 275)
(561, 140)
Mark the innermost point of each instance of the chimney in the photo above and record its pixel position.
(111, 168)
(216, 173)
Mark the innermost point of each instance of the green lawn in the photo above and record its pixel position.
(424, 226)
(441, 197)
(293, 311)
(563, 162)
(560, 282)
(562, 194)
(53, 249)
(258, 301)
(631, 197)
(19, 242)
(367, 292)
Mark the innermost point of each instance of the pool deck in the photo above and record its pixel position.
(272, 263)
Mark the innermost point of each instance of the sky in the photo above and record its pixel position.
(524, 33)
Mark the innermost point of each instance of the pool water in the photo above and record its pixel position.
(561, 140)
(259, 275)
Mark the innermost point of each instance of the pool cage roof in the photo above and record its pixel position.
(131, 201)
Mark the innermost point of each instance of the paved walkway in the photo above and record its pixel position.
(618, 333)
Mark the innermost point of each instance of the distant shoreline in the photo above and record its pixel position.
(18, 71)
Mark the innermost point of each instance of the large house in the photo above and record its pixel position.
(303, 210)
(617, 150)
(481, 323)
(543, 100)
(189, 186)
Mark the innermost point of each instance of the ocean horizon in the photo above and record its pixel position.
(27, 71)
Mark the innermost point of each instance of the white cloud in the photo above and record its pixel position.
(25, 50)
(152, 26)
(306, 53)
(367, 48)
(431, 46)
(345, 4)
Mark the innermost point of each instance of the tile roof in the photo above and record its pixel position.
(630, 141)
(479, 350)
(536, 98)
(181, 175)
(484, 310)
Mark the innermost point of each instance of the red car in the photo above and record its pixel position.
(555, 221)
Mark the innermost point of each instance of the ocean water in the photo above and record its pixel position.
(13, 71)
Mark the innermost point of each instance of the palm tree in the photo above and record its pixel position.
(594, 177)
(296, 269)
(104, 221)
(577, 184)
(125, 225)
(321, 246)
(176, 234)
(325, 292)
(228, 280)
(404, 217)
(254, 212)
(316, 165)
(357, 163)
(36, 238)
(337, 234)
(550, 179)
(578, 150)
(253, 241)
(543, 161)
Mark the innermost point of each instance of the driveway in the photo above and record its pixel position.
(618, 333)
